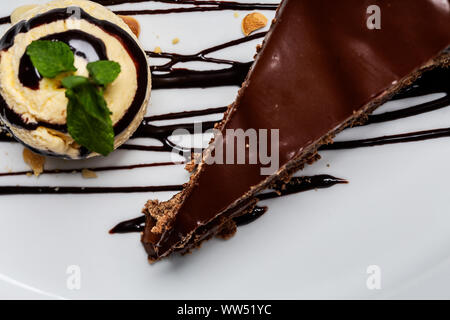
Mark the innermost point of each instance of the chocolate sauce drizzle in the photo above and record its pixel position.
(14, 190)
(5, 20)
(166, 76)
(162, 134)
(129, 226)
(196, 6)
(434, 81)
(96, 169)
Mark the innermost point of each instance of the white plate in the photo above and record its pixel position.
(394, 213)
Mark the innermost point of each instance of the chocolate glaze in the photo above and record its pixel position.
(126, 39)
(337, 66)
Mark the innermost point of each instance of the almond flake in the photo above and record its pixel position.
(253, 22)
(34, 161)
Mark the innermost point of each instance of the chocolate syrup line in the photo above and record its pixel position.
(391, 139)
(232, 5)
(296, 185)
(186, 114)
(5, 136)
(189, 2)
(13, 190)
(129, 226)
(169, 11)
(166, 76)
(201, 56)
(5, 20)
(178, 78)
(434, 81)
(162, 134)
(409, 112)
(198, 6)
(96, 169)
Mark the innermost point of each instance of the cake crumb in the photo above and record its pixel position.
(190, 166)
(88, 174)
(157, 50)
(175, 40)
(236, 15)
(34, 161)
(252, 22)
(227, 231)
(133, 24)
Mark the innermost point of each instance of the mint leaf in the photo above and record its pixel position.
(89, 119)
(51, 58)
(103, 72)
(74, 81)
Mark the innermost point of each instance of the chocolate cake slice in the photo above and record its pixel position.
(324, 66)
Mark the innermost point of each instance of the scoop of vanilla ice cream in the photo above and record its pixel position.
(48, 104)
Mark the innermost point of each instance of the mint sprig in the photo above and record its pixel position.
(103, 72)
(88, 117)
(51, 58)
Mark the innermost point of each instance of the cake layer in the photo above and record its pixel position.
(324, 65)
